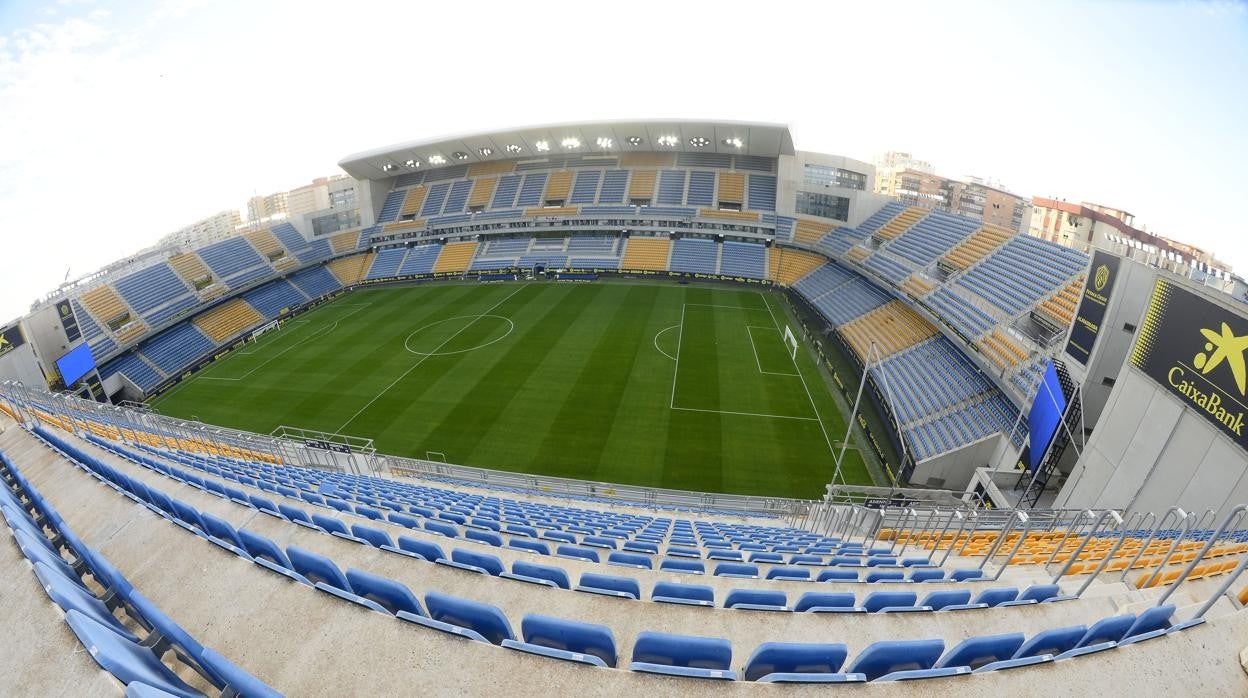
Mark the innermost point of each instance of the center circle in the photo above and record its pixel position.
(438, 338)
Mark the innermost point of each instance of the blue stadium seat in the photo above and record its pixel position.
(609, 585)
(267, 554)
(683, 655)
(442, 529)
(687, 594)
(891, 602)
(939, 600)
(838, 576)
(682, 566)
(756, 600)
(538, 574)
(236, 680)
(296, 516)
(975, 652)
(126, 660)
(486, 537)
(1153, 622)
(586, 643)
(786, 662)
(996, 597)
(827, 602)
(530, 545)
(575, 553)
(889, 656)
(927, 575)
(736, 569)
(483, 563)
(964, 575)
(326, 576)
(429, 551)
(391, 595)
(1040, 648)
(890, 576)
(476, 621)
(796, 573)
(373, 536)
(1104, 634)
(635, 560)
(70, 595)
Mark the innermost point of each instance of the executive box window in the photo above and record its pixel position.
(825, 176)
(823, 205)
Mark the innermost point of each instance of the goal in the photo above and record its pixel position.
(272, 325)
(790, 342)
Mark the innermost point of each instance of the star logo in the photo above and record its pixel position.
(1225, 347)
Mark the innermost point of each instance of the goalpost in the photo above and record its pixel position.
(790, 342)
(262, 329)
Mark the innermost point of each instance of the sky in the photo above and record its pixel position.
(122, 122)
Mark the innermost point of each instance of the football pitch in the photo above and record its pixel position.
(647, 384)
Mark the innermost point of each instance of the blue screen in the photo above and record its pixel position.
(1046, 415)
(76, 364)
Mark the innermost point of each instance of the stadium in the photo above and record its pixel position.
(664, 406)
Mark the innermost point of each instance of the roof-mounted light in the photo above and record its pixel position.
(668, 141)
(436, 159)
(542, 146)
(699, 142)
(604, 142)
(733, 142)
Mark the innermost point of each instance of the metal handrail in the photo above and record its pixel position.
(1175, 511)
(1122, 538)
(1186, 529)
(1236, 513)
(1096, 525)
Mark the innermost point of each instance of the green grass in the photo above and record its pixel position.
(647, 384)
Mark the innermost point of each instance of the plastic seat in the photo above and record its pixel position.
(837, 576)
(1103, 635)
(687, 594)
(70, 595)
(792, 662)
(756, 600)
(373, 536)
(221, 531)
(474, 561)
(236, 679)
(529, 545)
(826, 602)
(964, 575)
(955, 598)
(1153, 622)
(738, 570)
(682, 566)
(890, 601)
(538, 574)
(1040, 648)
(975, 652)
(766, 557)
(471, 619)
(927, 575)
(885, 577)
(586, 643)
(634, 560)
(797, 573)
(391, 595)
(128, 661)
(609, 585)
(334, 527)
(326, 576)
(429, 551)
(684, 552)
(599, 542)
(683, 655)
(573, 552)
(487, 537)
(296, 515)
(890, 656)
(442, 529)
(996, 597)
(267, 554)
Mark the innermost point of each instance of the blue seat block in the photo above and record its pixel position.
(236, 679)
(885, 577)
(996, 597)
(373, 536)
(879, 600)
(975, 652)
(538, 574)
(529, 545)
(838, 576)
(487, 537)
(927, 575)
(682, 566)
(635, 560)
(688, 594)
(756, 600)
(1051, 642)
(391, 595)
(479, 562)
(794, 573)
(128, 661)
(1111, 629)
(609, 585)
(964, 575)
(941, 599)
(890, 656)
(736, 569)
(429, 551)
(67, 593)
(683, 655)
(572, 551)
(791, 662)
(565, 639)
(826, 602)
(1153, 622)
(486, 622)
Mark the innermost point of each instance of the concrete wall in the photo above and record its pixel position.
(791, 178)
(954, 470)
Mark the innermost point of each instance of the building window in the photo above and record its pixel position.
(823, 205)
(333, 222)
(824, 176)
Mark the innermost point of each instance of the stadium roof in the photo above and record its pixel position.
(593, 138)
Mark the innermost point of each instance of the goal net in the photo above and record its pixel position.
(790, 342)
(261, 330)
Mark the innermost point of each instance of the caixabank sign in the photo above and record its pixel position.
(1197, 350)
